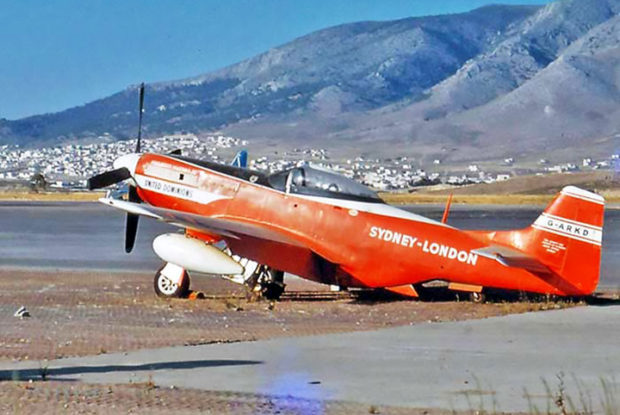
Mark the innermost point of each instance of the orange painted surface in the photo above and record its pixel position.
(446, 212)
(404, 290)
(336, 243)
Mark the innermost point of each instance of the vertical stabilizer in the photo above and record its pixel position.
(566, 238)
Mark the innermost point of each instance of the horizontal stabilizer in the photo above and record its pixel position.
(512, 258)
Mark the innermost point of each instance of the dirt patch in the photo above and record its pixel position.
(85, 313)
(60, 397)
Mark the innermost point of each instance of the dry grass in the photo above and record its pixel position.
(419, 198)
(491, 199)
(51, 196)
(521, 190)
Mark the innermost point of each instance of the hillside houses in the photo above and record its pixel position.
(69, 166)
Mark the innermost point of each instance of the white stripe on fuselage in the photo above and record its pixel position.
(381, 209)
(177, 190)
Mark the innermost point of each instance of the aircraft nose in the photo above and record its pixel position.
(129, 161)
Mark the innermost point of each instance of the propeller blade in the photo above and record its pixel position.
(133, 195)
(131, 226)
(107, 178)
(131, 229)
(140, 116)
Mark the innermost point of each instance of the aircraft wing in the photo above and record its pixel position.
(512, 258)
(218, 226)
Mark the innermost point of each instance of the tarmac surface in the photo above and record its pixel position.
(495, 364)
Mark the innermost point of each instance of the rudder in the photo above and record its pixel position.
(567, 238)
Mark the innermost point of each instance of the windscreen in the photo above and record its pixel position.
(310, 181)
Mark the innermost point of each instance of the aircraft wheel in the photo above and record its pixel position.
(165, 288)
(477, 298)
(273, 285)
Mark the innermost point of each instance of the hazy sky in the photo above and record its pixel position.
(63, 53)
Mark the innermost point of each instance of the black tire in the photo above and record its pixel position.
(424, 294)
(273, 289)
(164, 288)
(477, 297)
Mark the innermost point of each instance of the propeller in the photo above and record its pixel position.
(123, 173)
(141, 110)
(131, 224)
(109, 177)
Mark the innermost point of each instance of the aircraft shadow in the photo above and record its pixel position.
(445, 295)
(38, 374)
(602, 300)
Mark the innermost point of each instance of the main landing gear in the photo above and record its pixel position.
(271, 283)
(477, 297)
(172, 281)
(267, 282)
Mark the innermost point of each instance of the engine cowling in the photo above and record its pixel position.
(195, 255)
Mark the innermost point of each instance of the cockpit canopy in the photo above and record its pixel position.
(306, 180)
(303, 180)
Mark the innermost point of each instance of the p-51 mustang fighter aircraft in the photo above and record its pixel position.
(324, 227)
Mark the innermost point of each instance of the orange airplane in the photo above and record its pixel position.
(318, 225)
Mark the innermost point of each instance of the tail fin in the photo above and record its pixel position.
(566, 238)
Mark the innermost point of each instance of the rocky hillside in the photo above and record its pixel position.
(348, 68)
(552, 86)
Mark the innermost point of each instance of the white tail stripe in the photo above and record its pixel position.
(582, 224)
(563, 228)
(581, 192)
(585, 196)
(566, 235)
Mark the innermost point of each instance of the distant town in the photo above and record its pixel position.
(68, 167)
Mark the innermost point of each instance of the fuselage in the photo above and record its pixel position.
(345, 241)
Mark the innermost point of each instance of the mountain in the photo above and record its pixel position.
(527, 49)
(550, 87)
(571, 105)
(497, 81)
(352, 67)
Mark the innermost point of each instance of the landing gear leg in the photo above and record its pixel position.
(272, 283)
(171, 281)
(424, 294)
